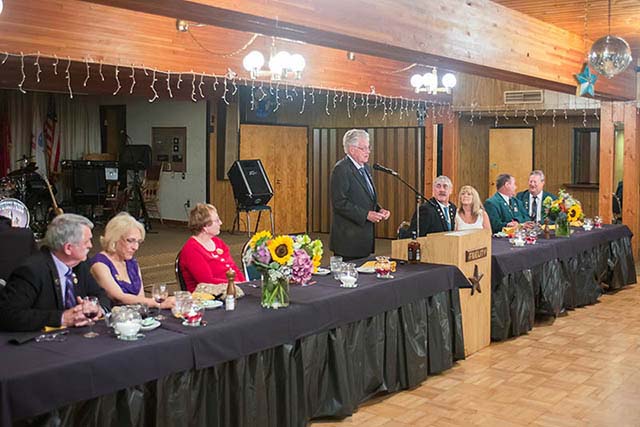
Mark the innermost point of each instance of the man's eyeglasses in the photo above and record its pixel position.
(364, 149)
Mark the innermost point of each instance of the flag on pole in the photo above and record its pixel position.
(52, 138)
(5, 145)
(37, 142)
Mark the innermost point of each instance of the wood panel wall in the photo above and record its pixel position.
(553, 148)
(397, 148)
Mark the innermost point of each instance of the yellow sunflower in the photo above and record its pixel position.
(574, 213)
(259, 236)
(281, 249)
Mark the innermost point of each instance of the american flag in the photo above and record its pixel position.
(52, 138)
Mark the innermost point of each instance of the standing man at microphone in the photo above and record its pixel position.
(354, 199)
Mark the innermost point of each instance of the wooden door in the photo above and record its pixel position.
(283, 152)
(510, 151)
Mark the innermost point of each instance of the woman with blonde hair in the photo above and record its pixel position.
(115, 268)
(470, 214)
(205, 258)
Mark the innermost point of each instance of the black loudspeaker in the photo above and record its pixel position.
(135, 157)
(251, 186)
(89, 182)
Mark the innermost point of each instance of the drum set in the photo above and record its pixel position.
(27, 199)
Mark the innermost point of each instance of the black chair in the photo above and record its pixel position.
(16, 244)
(247, 210)
(178, 272)
(250, 271)
(616, 206)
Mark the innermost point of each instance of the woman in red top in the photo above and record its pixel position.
(205, 258)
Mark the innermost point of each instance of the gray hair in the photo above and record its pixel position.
(502, 179)
(352, 137)
(444, 180)
(65, 228)
(539, 173)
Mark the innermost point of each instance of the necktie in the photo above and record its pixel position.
(534, 209)
(364, 174)
(446, 217)
(69, 296)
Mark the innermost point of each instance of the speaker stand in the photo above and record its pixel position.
(248, 210)
(139, 210)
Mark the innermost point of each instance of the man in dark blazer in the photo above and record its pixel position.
(533, 198)
(503, 209)
(354, 200)
(47, 289)
(436, 214)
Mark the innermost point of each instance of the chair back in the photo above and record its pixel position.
(250, 271)
(16, 244)
(179, 278)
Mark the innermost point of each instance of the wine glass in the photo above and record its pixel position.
(90, 308)
(160, 293)
(348, 275)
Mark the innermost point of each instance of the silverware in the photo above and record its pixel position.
(59, 336)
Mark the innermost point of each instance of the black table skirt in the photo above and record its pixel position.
(327, 374)
(559, 283)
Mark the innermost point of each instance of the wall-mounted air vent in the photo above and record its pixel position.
(523, 97)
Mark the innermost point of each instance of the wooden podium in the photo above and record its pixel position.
(466, 250)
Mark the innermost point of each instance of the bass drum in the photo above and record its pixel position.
(7, 188)
(16, 211)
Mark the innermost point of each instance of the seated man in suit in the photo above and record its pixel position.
(16, 244)
(532, 198)
(47, 289)
(437, 213)
(503, 208)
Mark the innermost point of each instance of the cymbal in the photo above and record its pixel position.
(25, 157)
(30, 168)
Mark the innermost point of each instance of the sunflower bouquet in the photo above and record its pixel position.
(565, 210)
(282, 259)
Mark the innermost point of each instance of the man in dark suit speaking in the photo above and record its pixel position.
(47, 289)
(354, 199)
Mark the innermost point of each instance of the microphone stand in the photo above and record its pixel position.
(419, 198)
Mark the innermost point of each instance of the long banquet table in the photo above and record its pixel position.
(556, 274)
(332, 349)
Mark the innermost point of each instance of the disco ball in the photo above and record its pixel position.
(610, 55)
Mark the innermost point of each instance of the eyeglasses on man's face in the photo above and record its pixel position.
(364, 149)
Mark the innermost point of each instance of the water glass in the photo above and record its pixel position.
(335, 263)
(587, 224)
(183, 298)
(348, 275)
(597, 222)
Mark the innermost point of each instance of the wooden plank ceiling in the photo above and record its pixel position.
(570, 15)
(477, 37)
(84, 31)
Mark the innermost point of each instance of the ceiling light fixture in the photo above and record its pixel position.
(282, 65)
(428, 82)
(610, 55)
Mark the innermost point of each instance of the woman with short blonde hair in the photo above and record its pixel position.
(205, 258)
(115, 268)
(470, 213)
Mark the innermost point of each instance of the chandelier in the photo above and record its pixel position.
(428, 82)
(610, 55)
(282, 65)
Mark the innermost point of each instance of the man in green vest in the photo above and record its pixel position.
(503, 208)
(533, 198)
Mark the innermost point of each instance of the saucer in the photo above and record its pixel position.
(193, 325)
(151, 326)
(366, 270)
(211, 304)
(322, 272)
(131, 338)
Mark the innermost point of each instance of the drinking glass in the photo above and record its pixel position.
(90, 308)
(182, 298)
(335, 263)
(383, 267)
(597, 222)
(192, 313)
(531, 238)
(160, 293)
(588, 224)
(348, 275)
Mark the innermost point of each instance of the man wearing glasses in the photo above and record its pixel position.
(47, 289)
(354, 199)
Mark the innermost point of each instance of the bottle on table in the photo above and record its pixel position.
(230, 300)
(413, 249)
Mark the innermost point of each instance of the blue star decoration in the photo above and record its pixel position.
(586, 80)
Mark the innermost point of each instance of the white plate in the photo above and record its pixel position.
(211, 304)
(366, 270)
(150, 327)
(322, 272)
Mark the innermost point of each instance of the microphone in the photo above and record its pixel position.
(379, 167)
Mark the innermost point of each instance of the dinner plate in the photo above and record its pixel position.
(151, 326)
(322, 272)
(211, 304)
(366, 270)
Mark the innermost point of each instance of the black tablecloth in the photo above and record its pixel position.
(414, 320)
(555, 274)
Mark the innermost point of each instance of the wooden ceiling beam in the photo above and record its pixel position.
(473, 36)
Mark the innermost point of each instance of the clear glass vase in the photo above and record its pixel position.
(562, 228)
(275, 293)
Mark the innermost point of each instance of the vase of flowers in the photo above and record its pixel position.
(564, 211)
(282, 260)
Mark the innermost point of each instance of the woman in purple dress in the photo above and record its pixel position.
(116, 269)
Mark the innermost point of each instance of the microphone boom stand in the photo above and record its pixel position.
(419, 198)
